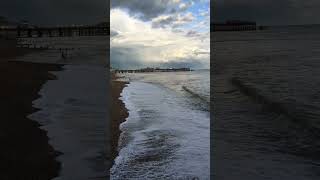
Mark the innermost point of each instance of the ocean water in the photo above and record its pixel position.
(73, 111)
(73, 107)
(266, 103)
(167, 133)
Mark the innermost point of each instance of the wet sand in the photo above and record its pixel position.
(118, 113)
(25, 152)
(9, 50)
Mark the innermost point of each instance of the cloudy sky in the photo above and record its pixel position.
(160, 33)
(268, 12)
(86, 11)
(55, 12)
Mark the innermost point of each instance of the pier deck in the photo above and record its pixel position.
(62, 31)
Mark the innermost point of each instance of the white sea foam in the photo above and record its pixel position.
(163, 137)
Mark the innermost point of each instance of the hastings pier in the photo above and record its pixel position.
(236, 25)
(63, 31)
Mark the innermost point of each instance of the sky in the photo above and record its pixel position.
(55, 12)
(160, 33)
(268, 12)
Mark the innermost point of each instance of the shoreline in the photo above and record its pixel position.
(157, 141)
(73, 112)
(119, 113)
(25, 147)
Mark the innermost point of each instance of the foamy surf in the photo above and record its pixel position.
(163, 137)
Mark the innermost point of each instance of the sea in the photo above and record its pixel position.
(72, 109)
(266, 103)
(167, 132)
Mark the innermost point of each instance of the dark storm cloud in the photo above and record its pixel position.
(113, 33)
(192, 33)
(267, 11)
(54, 12)
(147, 9)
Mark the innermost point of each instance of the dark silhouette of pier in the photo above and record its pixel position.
(63, 31)
(236, 25)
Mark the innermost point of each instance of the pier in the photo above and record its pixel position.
(236, 26)
(63, 31)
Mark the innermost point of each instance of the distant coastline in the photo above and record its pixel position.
(143, 70)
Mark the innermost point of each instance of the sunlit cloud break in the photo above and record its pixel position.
(173, 37)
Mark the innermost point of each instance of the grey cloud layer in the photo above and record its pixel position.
(52, 12)
(268, 11)
(125, 58)
(153, 35)
(147, 9)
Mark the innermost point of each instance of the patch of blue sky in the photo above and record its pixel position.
(201, 11)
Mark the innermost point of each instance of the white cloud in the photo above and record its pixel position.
(137, 41)
(204, 13)
(182, 6)
(173, 20)
(185, 5)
